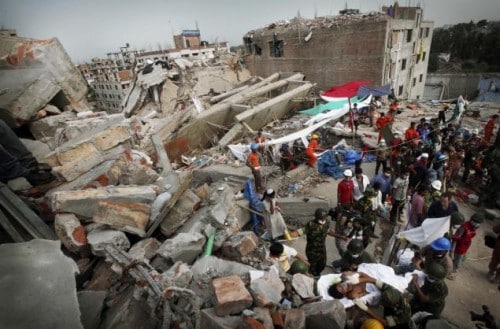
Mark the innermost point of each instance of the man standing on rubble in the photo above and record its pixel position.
(254, 164)
(345, 192)
(311, 148)
(17, 161)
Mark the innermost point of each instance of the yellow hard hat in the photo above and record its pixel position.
(372, 324)
(314, 136)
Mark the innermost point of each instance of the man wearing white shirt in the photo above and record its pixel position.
(360, 181)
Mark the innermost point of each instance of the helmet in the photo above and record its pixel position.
(320, 213)
(437, 185)
(477, 217)
(355, 246)
(475, 131)
(348, 173)
(390, 297)
(369, 191)
(441, 244)
(254, 146)
(435, 271)
(372, 324)
(457, 218)
(314, 136)
(298, 266)
(382, 142)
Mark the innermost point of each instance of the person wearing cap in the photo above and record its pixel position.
(399, 195)
(432, 194)
(395, 146)
(273, 218)
(462, 240)
(385, 181)
(316, 231)
(418, 170)
(368, 216)
(381, 156)
(443, 207)
(345, 191)
(438, 251)
(253, 161)
(431, 296)
(311, 148)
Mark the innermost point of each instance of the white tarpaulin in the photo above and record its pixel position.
(330, 115)
(240, 150)
(430, 230)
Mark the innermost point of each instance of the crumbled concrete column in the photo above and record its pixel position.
(129, 217)
(329, 314)
(84, 203)
(231, 296)
(144, 250)
(70, 231)
(98, 241)
(240, 245)
(268, 288)
(185, 247)
(295, 318)
(303, 285)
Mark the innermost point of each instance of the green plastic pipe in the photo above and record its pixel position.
(210, 244)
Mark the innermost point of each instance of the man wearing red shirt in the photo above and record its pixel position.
(254, 164)
(411, 134)
(345, 196)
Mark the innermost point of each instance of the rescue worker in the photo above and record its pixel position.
(254, 164)
(289, 260)
(345, 192)
(381, 156)
(316, 232)
(396, 309)
(368, 216)
(462, 240)
(311, 148)
(436, 252)
(431, 297)
(354, 256)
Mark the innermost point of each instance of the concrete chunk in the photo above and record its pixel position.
(179, 275)
(91, 305)
(98, 241)
(329, 314)
(240, 245)
(70, 231)
(111, 137)
(184, 247)
(267, 289)
(36, 275)
(128, 217)
(144, 250)
(84, 202)
(303, 285)
(299, 211)
(231, 296)
(180, 213)
(210, 320)
(295, 318)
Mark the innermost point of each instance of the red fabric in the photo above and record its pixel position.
(344, 192)
(464, 241)
(349, 89)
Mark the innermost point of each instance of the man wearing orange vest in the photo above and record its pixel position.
(254, 164)
(313, 146)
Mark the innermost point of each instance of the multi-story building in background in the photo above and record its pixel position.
(390, 46)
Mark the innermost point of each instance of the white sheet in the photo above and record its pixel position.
(430, 230)
(377, 271)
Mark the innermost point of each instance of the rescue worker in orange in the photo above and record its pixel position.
(489, 128)
(311, 148)
(254, 164)
(381, 123)
(411, 134)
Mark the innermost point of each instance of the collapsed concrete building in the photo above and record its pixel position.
(36, 73)
(391, 46)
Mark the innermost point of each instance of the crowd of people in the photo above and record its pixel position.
(419, 169)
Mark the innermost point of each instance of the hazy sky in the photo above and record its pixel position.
(90, 28)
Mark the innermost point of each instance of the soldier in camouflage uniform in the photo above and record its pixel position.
(368, 216)
(316, 232)
(354, 256)
(432, 295)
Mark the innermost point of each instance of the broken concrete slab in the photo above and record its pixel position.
(84, 203)
(263, 315)
(188, 203)
(240, 245)
(71, 232)
(267, 288)
(328, 314)
(301, 210)
(231, 295)
(91, 305)
(47, 127)
(144, 250)
(210, 320)
(303, 285)
(185, 247)
(99, 239)
(37, 266)
(295, 318)
(179, 275)
(222, 172)
(128, 217)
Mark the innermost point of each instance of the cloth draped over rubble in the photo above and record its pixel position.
(430, 230)
(344, 91)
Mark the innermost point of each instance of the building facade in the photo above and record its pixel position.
(391, 46)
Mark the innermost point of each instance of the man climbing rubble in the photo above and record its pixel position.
(253, 161)
(17, 161)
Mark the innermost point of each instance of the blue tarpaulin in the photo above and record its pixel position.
(374, 91)
(329, 165)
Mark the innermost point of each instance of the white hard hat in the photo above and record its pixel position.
(437, 185)
(425, 155)
(348, 173)
(382, 142)
(475, 131)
